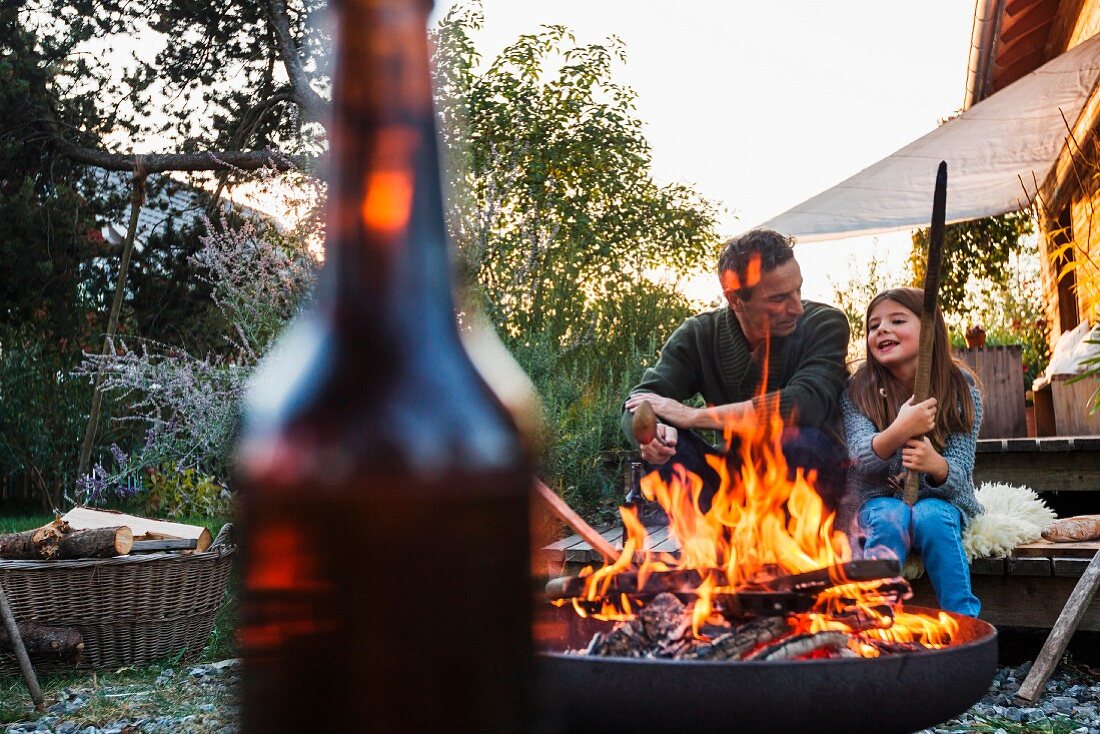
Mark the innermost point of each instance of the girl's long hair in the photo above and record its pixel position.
(878, 395)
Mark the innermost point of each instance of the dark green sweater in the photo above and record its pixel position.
(708, 355)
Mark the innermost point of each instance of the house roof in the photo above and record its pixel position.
(1012, 38)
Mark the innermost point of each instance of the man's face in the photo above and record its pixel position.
(774, 306)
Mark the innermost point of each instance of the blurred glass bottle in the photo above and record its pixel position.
(384, 488)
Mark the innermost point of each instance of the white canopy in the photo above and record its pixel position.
(994, 151)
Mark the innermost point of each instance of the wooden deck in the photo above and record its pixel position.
(1030, 587)
(1053, 464)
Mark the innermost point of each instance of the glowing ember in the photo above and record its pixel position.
(760, 529)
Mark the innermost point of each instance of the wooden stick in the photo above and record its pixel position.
(566, 514)
(922, 379)
(1072, 612)
(20, 652)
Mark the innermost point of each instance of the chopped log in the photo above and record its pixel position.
(85, 518)
(62, 644)
(96, 543)
(40, 543)
(797, 646)
(153, 546)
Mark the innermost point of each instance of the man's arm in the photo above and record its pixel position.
(813, 391)
(676, 376)
(714, 417)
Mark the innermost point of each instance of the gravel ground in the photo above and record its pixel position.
(200, 698)
(1069, 704)
(203, 700)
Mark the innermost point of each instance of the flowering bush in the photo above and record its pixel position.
(260, 277)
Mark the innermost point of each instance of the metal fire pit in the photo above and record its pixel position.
(895, 693)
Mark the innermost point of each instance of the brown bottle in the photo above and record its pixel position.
(384, 489)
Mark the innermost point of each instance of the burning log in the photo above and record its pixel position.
(800, 646)
(660, 624)
(62, 644)
(663, 629)
(735, 644)
(685, 581)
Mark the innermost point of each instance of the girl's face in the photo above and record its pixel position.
(893, 335)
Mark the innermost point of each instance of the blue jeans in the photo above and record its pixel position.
(932, 526)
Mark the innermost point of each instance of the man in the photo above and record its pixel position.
(721, 356)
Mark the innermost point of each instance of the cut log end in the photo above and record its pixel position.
(97, 543)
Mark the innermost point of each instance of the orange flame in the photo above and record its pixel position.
(761, 524)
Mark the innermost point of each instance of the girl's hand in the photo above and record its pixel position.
(916, 419)
(918, 455)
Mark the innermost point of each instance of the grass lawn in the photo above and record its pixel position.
(15, 702)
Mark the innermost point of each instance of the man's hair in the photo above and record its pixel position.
(748, 255)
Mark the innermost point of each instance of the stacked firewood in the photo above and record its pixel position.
(87, 533)
(662, 629)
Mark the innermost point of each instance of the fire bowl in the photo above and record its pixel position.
(891, 694)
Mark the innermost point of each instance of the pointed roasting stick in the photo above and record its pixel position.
(566, 514)
(921, 383)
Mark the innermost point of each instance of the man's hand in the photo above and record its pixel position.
(662, 448)
(670, 410)
(916, 419)
(918, 455)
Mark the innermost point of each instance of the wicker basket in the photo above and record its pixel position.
(131, 610)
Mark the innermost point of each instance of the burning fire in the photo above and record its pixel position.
(761, 527)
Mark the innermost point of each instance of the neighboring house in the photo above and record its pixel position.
(1012, 38)
(168, 203)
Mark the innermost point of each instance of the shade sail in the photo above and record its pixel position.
(993, 151)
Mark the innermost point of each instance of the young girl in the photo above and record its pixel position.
(889, 433)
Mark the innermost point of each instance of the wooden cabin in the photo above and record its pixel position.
(1010, 39)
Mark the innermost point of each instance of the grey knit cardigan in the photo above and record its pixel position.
(868, 475)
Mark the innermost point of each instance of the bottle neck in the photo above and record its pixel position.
(388, 266)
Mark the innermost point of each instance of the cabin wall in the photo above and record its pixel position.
(1075, 21)
(1069, 199)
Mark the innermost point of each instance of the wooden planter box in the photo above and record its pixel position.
(1062, 408)
(1001, 371)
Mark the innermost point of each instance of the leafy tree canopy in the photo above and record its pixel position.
(980, 249)
(557, 211)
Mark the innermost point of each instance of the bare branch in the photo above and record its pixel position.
(314, 105)
(226, 160)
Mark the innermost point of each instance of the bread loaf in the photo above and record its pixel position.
(1073, 529)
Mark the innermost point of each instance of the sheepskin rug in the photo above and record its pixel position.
(1011, 515)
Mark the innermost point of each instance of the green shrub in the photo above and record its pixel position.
(181, 493)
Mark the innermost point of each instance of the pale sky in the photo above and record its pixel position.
(760, 105)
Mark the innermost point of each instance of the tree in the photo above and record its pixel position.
(978, 250)
(561, 227)
(233, 88)
(557, 212)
